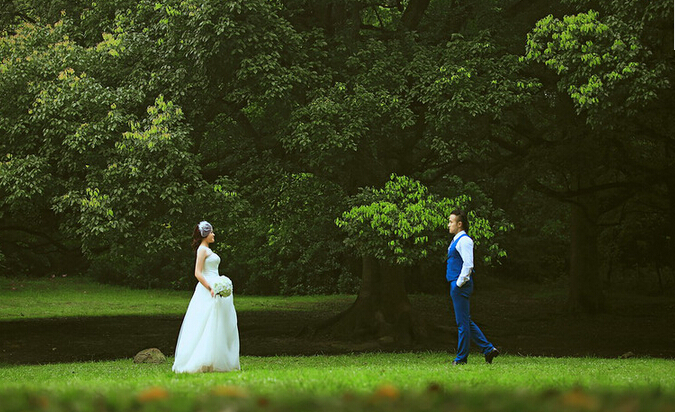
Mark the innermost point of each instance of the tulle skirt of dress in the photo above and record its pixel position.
(209, 338)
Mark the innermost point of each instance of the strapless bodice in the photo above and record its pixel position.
(211, 265)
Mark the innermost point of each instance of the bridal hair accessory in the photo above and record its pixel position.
(205, 228)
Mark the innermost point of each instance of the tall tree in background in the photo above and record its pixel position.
(609, 82)
(82, 171)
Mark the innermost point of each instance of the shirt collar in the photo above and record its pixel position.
(458, 235)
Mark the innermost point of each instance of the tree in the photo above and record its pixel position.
(612, 79)
(82, 172)
(300, 249)
(35, 165)
(390, 229)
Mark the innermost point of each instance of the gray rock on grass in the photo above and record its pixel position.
(152, 355)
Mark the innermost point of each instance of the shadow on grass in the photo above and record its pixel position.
(268, 333)
(517, 322)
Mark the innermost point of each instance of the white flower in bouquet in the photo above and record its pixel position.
(222, 287)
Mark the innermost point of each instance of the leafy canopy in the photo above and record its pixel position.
(400, 222)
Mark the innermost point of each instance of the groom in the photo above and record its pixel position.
(458, 273)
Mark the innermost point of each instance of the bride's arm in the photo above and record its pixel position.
(199, 266)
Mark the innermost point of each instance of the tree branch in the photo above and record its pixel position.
(569, 195)
(60, 246)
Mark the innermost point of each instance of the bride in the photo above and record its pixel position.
(209, 339)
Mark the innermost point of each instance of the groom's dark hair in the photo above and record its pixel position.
(462, 218)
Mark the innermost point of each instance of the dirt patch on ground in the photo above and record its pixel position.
(518, 320)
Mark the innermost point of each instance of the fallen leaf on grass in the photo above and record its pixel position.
(579, 399)
(229, 391)
(41, 401)
(153, 394)
(386, 391)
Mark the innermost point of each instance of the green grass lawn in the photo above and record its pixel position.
(70, 297)
(404, 381)
(372, 382)
(358, 373)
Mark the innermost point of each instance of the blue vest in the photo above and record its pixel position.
(455, 261)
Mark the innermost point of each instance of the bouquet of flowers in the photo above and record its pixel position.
(222, 287)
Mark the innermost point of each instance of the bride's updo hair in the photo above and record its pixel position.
(202, 230)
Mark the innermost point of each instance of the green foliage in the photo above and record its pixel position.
(601, 63)
(469, 85)
(293, 247)
(467, 78)
(400, 223)
(148, 175)
(305, 245)
(227, 84)
(640, 14)
(217, 56)
(38, 81)
(112, 181)
(361, 112)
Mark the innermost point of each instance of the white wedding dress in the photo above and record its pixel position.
(209, 339)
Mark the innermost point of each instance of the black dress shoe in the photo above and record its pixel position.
(455, 363)
(491, 355)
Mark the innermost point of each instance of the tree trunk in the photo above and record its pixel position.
(381, 310)
(585, 287)
(413, 13)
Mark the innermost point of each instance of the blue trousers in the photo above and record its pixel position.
(467, 330)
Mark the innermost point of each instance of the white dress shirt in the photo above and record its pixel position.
(465, 248)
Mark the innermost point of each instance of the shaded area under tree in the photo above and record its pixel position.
(521, 319)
